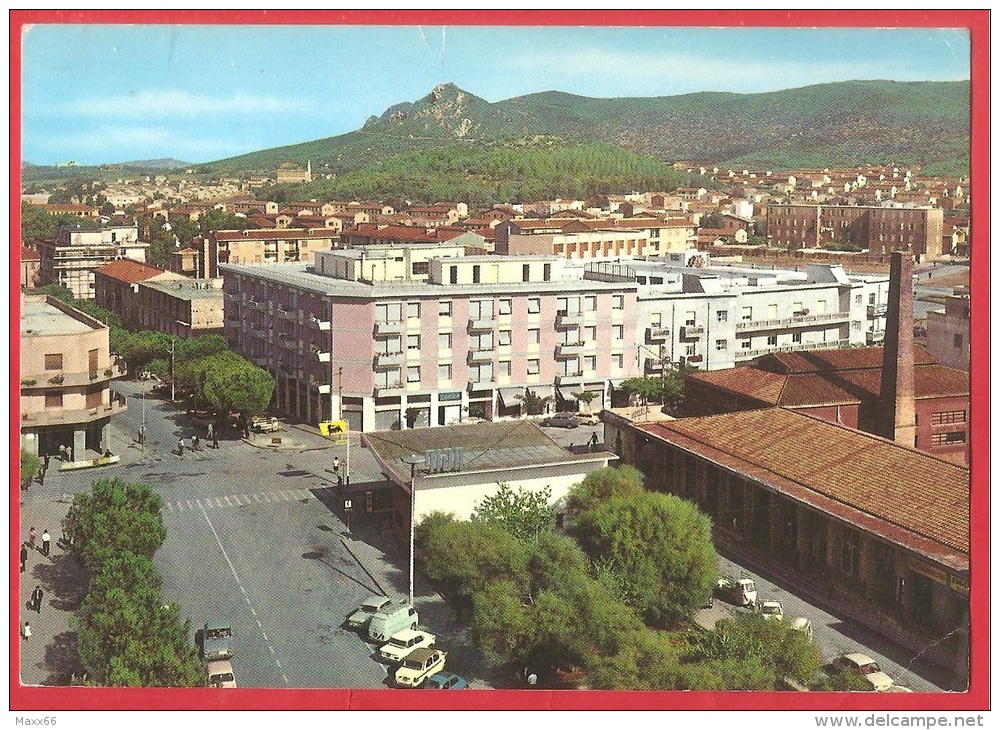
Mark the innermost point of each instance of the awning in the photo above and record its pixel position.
(509, 396)
(542, 391)
(615, 384)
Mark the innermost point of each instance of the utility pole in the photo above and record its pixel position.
(412, 460)
(173, 380)
(340, 416)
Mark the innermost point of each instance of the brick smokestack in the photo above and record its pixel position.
(897, 410)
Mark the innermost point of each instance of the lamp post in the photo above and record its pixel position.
(412, 460)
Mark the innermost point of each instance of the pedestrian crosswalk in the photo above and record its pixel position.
(254, 499)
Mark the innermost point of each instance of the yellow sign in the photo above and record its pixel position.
(334, 429)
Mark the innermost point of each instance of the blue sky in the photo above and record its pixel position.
(96, 94)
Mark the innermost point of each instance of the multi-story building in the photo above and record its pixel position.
(713, 317)
(948, 333)
(595, 239)
(65, 373)
(77, 251)
(259, 246)
(879, 229)
(116, 285)
(183, 308)
(479, 332)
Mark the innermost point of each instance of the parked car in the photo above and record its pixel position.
(217, 639)
(446, 680)
(262, 424)
(804, 625)
(561, 420)
(369, 607)
(418, 665)
(867, 667)
(403, 642)
(741, 591)
(587, 419)
(388, 620)
(220, 674)
(772, 611)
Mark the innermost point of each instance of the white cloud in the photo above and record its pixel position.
(169, 103)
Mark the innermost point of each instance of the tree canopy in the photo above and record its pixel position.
(523, 513)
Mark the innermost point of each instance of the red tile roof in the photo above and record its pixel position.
(30, 254)
(129, 271)
(911, 498)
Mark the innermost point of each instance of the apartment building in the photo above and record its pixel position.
(259, 246)
(712, 317)
(878, 229)
(116, 286)
(182, 308)
(465, 342)
(65, 375)
(948, 332)
(77, 251)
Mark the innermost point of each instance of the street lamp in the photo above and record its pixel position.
(412, 460)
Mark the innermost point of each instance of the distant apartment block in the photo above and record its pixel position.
(467, 339)
(72, 257)
(879, 229)
(592, 240)
(66, 372)
(259, 246)
(80, 211)
(948, 333)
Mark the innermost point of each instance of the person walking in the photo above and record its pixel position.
(142, 435)
(195, 443)
(36, 598)
(26, 631)
(31, 537)
(24, 555)
(180, 446)
(46, 542)
(593, 441)
(336, 465)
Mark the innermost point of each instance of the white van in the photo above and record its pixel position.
(391, 619)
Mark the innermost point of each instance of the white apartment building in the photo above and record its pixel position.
(77, 251)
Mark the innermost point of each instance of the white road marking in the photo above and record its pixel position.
(257, 499)
(239, 584)
(189, 504)
(228, 502)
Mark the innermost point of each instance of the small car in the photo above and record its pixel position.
(265, 425)
(418, 665)
(741, 591)
(369, 607)
(561, 420)
(217, 640)
(804, 625)
(403, 642)
(220, 674)
(587, 419)
(446, 680)
(772, 611)
(867, 667)
(390, 619)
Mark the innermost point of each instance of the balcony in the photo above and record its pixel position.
(57, 417)
(479, 356)
(482, 324)
(873, 338)
(877, 310)
(323, 325)
(692, 331)
(742, 354)
(321, 355)
(53, 379)
(387, 360)
(382, 391)
(803, 320)
(383, 329)
(570, 378)
(657, 334)
(569, 350)
(324, 388)
(565, 320)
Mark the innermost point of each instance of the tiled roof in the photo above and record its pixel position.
(908, 497)
(129, 271)
(751, 382)
(816, 361)
(29, 254)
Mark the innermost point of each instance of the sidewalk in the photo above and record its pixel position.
(49, 657)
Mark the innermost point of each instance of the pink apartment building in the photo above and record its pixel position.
(464, 340)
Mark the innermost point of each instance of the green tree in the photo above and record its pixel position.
(524, 513)
(232, 383)
(140, 348)
(586, 397)
(534, 404)
(30, 466)
(601, 485)
(653, 551)
(113, 517)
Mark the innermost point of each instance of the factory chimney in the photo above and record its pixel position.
(897, 410)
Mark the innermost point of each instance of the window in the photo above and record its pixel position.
(590, 333)
(655, 319)
(504, 339)
(413, 374)
(547, 272)
(850, 556)
(387, 378)
(534, 337)
(481, 309)
(505, 368)
(689, 319)
(689, 350)
(937, 439)
(525, 272)
(772, 341)
(481, 341)
(444, 308)
(389, 346)
(618, 332)
(590, 303)
(475, 274)
(534, 305)
(618, 361)
(413, 310)
(797, 308)
(745, 344)
(947, 417)
(444, 371)
(957, 340)
(772, 311)
(747, 314)
(721, 345)
(532, 367)
(453, 274)
(871, 298)
(857, 299)
(505, 306)
(53, 399)
(796, 337)
(420, 268)
(413, 342)
(54, 361)
(391, 312)
(444, 341)
(722, 316)
(589, 363)
(617, 301)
